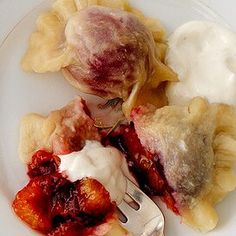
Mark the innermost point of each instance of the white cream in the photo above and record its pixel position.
(105, 164)
(204, 56)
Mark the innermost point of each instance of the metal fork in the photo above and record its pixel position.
(139, 214)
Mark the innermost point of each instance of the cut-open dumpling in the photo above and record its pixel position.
(62, 132)
(104, 48)
(196, 145)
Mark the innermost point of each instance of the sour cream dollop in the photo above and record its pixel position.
(105, 164)
(203, 54)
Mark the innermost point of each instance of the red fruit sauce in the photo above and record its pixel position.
(143, 164)
(54, 206)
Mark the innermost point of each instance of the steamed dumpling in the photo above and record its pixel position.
(196, 145)
(112, 51)
(102, 50)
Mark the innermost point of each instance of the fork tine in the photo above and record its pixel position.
(144, 220)
(134, 192)
(132, 217)
(126, 209)
(141, 198)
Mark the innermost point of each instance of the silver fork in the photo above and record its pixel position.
(139, 214)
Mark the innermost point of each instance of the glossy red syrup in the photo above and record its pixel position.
(143, 164)
(55, 206)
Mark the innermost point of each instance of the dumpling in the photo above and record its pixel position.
(102, 50)
(62, 132)
(197, 149)
(113, 53)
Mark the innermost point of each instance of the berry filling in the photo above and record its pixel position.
(143, 164)
(53, 205)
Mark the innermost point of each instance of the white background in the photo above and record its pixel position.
(19, 8)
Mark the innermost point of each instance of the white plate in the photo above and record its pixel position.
(21, 93)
